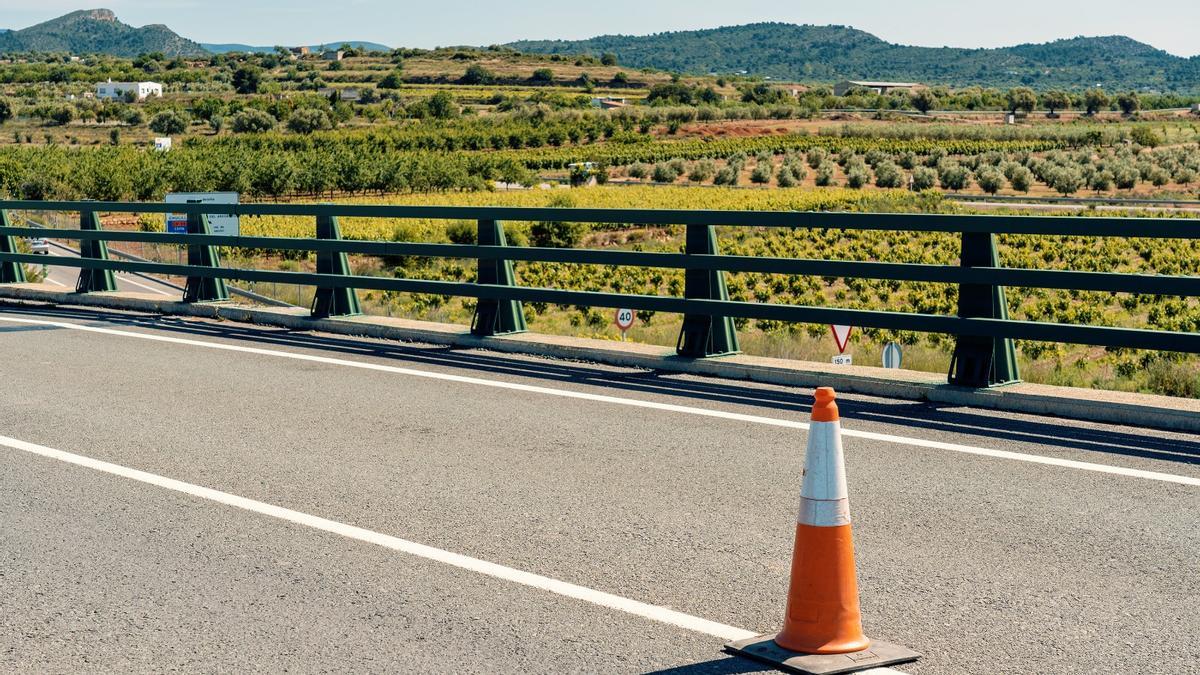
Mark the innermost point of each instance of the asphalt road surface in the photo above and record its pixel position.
(66, 277)
(185, 495)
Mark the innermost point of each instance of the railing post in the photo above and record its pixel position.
(703, 335)
(982, 361)
(333, 301)
(496, 317)
(91, 280)
(203, 289)
(10, 272)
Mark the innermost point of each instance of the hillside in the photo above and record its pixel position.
(97, 31)
(827, 53)
(225, 48)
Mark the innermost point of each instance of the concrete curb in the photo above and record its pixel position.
(1141, 410)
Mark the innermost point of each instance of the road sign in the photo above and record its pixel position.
(841, 335)
(220, 224)
(892, 357)
(625, 319)
(843, 360)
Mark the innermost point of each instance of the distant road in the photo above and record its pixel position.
(66, 277)
(222, 497)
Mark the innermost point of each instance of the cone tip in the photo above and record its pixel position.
(825, 408)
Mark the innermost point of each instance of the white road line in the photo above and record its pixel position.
(127, 279)
(634, 607)
(616, 400)
(54, 281)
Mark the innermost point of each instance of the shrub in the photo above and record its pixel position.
(308, 120)
(785, 177)
(990, 180)
(169, 122)
(542, 76)
(1065, 180)
(857, 177)
(1021, 178)
(888, 175)
(638, 171)
(252, 120)
(462, 232)
(923, 178)
(664, 173)
(1145, 136)
(953, 177)
(824, 176)
(761, 174)
(816, 156)
(393, 80)
(477, 74)
(702, 171)
(556, 234)
(728, 175)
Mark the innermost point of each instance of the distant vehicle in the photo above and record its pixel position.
(39, 246)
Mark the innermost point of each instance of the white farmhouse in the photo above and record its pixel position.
(116, 90)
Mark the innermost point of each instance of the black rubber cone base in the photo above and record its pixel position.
(763, 648)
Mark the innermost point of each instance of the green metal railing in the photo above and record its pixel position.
(983, 354)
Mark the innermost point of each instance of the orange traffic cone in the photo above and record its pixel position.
(822, 629)
(822, 607)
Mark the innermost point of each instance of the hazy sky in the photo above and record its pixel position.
(1167, 24)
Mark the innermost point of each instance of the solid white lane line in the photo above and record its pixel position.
(634, 607)
(127, 278)
(54, 281)
(616, 400)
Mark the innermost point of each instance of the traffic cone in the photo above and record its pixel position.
(822, 606)
(822, 628)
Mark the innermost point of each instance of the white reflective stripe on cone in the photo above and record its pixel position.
(823, 494)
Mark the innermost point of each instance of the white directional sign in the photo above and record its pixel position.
(625, 319)
(843, 360)
(220, 224)
(841, 335)
(892, 357)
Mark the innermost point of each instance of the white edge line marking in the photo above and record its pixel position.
(126, 278)
(54, 281)
(634, 607)
(616, 400)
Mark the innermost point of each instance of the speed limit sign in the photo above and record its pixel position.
(624, 320)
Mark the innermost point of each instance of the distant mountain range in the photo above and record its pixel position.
(827, 53)
(93, 31)
(98, 31)
(252, 49)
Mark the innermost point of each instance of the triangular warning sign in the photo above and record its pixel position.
(841, 335)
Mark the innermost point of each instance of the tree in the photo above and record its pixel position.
(169, 122)
(1021, 98)
(924, 100)
(1095, 100)
(1129, 103)
(6, 110)
(477, 74)
(252, 120)
(990, 180)
(542, 76)
(923, 178)
(392, 80)
(1055, 100)
(608, 59)
(247, 79)
(308, 120)
(442, 106)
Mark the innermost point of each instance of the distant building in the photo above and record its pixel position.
(348, 95)
(162, 143)
(1196, 108)
(116, 90)
(608, 102)
(846, 86)
(297, 52)
(333, 55)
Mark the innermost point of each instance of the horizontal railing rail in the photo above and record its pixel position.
(983, 355)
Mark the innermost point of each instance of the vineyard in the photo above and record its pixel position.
(1044, 362)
